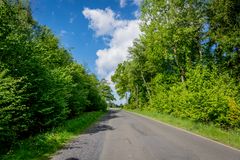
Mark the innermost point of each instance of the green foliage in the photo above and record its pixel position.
(97, 101)
(186, 61)
(40, 84)
(43, 145)
(78, 100)
(106, 91)
(14, 115)
(205, 96)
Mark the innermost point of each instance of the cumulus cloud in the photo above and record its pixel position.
(122, 38)
(120, 34)
(103, 22)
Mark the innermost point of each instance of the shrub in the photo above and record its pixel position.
(205, 96)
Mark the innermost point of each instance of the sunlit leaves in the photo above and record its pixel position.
(40, 84)
(186, 62)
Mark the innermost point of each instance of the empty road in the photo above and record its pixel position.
(125, 136)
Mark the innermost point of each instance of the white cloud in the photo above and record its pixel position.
(103, 22)
(122, 38)
(121, 34)
(137, 2)
(122, 3)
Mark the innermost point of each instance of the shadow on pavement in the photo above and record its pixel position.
(72, 158)
(100, 128)
(111, 115)
(102, 125)
(70, 147)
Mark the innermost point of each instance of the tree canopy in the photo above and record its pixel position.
(40, 83)
(186, 61)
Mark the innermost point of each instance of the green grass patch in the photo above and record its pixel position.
(230, 137)
(41, 146)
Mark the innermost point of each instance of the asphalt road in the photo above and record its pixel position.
(125, 136)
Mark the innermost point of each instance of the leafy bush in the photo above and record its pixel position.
(205, 96)
(14, 115)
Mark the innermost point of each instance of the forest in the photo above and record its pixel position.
(41, 85)
(186, 62)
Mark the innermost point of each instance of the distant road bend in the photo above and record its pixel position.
(125, 136)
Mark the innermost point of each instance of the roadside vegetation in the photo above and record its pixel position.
(41, 86)
(186, 63)
(42, 146)
(228, 137)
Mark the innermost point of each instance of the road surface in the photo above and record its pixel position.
(125, 136)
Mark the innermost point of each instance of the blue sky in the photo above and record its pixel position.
(97, 32)
(66, 20)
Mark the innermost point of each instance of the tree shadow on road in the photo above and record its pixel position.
(72, 158)
(103, 124)
(99, 128)
(111, 115)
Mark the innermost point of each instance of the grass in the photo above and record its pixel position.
(231, 137)
(42, 146)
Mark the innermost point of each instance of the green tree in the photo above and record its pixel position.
(40, 84)
(185, 62)
(14, 117)
(106, 91)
